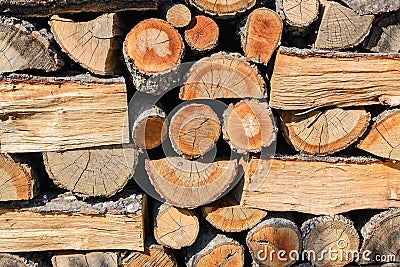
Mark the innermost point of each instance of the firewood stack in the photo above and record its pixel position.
(139, 133)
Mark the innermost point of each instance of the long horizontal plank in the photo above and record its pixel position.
(321, 185)
(305, 79)
(47, 114)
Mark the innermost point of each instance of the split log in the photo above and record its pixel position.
(65, 223)
(333, 79)
(202, 34)
(189, 184)
(324, 132)
(95, 44)
(372, 7)
(222, 9)
(228, 216)
(97, 171)
(330, 233)
(106, 259)
(24, 47)
(178, 15)
(152, 48)
(249, 126)
(298, 13)
(33, 8)
(194, 129)
(272, 236)
(154, 255)
(325, 185)
(261, 35)
(51, 114)
(223, 75)
(341, 28)
(175, 227)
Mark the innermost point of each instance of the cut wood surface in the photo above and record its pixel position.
(92, 259)
(224, 9)
(97, 171)
(175, 227)
(189, 184)
(275, 234)
(8, 260)
(373, 7)
(194, 129)
(321, 185)
(50, 114)
(95, 44)
(298, 13)
(154, 255)
(261, 35)
(228, 216)
(178, 15)
(222, 75)
(25, 47)
(65, 223)
(324, 132)
(249, 126)
(341, 28)
(202, 34)
(333, 79)
(34, 8)
(330, 233)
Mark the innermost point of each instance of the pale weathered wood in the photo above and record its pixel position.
(333, 79)
(25, 47)
(154, 255)
(202, 34)
(178, 15)
(298, 13)
(13, 261)
(373, 7)
(95, 44)
(92, 259)
(321, 185)
(223, 9)
(50, 114)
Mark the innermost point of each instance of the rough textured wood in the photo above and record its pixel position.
(249, 126)
(7, 260)
(223, 9)
(153, 256)
(188, 184)
(105, 259)
(50, 114)
(298, 13)
(373, 7)
(330, 233)
(274, 234)
(223, 75)
(321, 185)
(95, 44)
(175, 227)
(97, 171)
(178, 15)
(324, 132)
(202, 34)
(194, 129)
(333, 79)
(261, 35)
(341, 28)
(25, 47)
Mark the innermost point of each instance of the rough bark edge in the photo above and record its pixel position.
(366, 10)
(223, 15)
(368, 230)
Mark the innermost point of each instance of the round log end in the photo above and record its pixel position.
(202, 33)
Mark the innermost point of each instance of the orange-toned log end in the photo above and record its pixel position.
(274, 234)
(154, 255)
(261, 35)
(194, 130)
(222, 75)
(324, 132)
(228, 8)
(178, 15)
(248, 126)
(202, 34)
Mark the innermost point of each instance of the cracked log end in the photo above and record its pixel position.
(154, 255)
(225, 9)
(202, 34)
(108, 259)
(298, 13)
(178, 15)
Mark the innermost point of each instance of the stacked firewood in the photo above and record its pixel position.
(199, 133)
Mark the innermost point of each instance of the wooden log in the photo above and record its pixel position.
(194, 129)
(25, 47)
(330, 233)
(97, 171)
(153, 255)
(341, 28)
(95, 44)
(222, 9)
(298, 13)
(327, 185)
(189, 184)
(68, 112)
(13, 261)
(175, 227)
(228, 216)
(65, 223)
(333, 79)
(372, 7)
(202, 34)
(152, 48)
(261, 35)
(107, 259)
(178, 15)
(33, 8)
(271, 236)
(222, 75)
(324, 132)
(249, 126)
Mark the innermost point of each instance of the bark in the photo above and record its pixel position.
(372, 7)
(223, 9)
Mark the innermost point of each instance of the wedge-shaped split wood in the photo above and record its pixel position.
(95, 44)
(153, 255)
(69, 112)
(189, 184)
(202, 34)
(107, 259)
(333, 79)
(363, 7)
(223, 9)
(298, 13)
